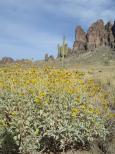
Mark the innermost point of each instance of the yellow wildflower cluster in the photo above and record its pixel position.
(45, 83)
(65, 105)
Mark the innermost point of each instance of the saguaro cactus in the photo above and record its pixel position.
(62, 50)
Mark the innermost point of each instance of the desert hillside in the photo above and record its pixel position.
(64, 104)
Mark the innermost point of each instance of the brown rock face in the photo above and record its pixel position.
(7, 60)
(98, 35)
(113, 29)
(95, 35)
(109, 33)
(81, 35)
(80, 39)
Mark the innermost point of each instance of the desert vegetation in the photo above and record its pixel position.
(61, 104)
(51, 109)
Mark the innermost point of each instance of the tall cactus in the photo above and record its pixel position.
(62, 50)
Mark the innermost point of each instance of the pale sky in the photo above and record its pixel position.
(30, 28)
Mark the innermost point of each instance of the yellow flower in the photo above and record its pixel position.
(91, 110)
(13, 113)
(111, 115)
(75, 112)
(37, 100)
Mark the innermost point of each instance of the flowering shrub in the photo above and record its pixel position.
(51, 109)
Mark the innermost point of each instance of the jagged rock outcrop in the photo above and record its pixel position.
(110, 37)
(6, 60)
(113, 29)
(47, 57)
(95, 35)
(98, 35)
(80, 40)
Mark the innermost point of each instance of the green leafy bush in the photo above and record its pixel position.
(36, 127)
(50, 110)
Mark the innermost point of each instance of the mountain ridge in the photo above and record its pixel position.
(98, 35)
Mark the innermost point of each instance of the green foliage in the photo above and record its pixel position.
(106, 62)
(35, 127)
(50, 110)
(18, 114)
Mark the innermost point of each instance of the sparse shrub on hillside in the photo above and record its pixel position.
(111, 90)
(51, 109)
(107, 59)
(106, 62)
(51, 57)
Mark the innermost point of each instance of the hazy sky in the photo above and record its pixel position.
(30, 28)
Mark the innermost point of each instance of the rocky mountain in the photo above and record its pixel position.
(6, 60)
(98, 35)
